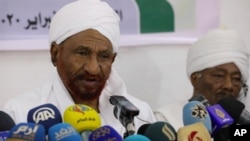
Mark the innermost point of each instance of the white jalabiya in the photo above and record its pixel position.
(55, 93)
(171, 113)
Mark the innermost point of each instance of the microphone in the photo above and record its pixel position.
(46, 115)
(219, 117)
(6, 123)
(142, 129)
(83, 118)
(236, 109)
(124, 111)
(194, 112)
(4, 135)
(200, 98)
(105, 133)
(63, 132)
(223, 134)
(196, 131)
(161, 131)
(137, 138)
(27, 132)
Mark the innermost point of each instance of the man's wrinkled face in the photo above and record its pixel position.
(218, 82)
(84, 63)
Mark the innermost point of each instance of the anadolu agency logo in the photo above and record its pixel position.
(43, 114)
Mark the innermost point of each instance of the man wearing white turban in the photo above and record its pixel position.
(84, 39)
(217, 66)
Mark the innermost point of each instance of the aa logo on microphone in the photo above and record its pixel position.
(43, 114)
(239, 132)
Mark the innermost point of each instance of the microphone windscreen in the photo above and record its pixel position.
(161, 131)
(136, 138)
(3, 135)
(28, 132)
(223, 134)
(219, 117)
(82, 118)
(193, 132)
(105, 133)
(6, 122)
(63, 132)
(46, 114)
(143, 128)
(194, 112)
(233, 107)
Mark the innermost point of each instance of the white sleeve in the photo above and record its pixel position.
(171, 113)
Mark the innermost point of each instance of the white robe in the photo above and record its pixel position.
(171, 113)
(55, 93)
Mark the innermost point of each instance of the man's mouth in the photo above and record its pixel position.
(223, 95)
(90, 82)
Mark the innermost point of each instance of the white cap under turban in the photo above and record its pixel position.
(218, 47)
(81, 15)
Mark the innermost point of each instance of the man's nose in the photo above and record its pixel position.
(92, 66)
(228, 84)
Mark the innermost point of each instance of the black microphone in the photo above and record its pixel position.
(161, 131)
(223, 134)
(200, 98)
(236, 109)
(124, 111)
(142, 129)
(6, 122)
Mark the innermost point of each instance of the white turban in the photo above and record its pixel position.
(81, 15)
(218, 47)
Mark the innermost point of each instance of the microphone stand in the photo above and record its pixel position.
(124, 111)
(128, 123)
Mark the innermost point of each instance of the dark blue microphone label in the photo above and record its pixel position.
(239, 132)
(4, 135)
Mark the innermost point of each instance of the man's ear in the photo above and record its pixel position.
(194, 78)
(54, 49)
(113, 59)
